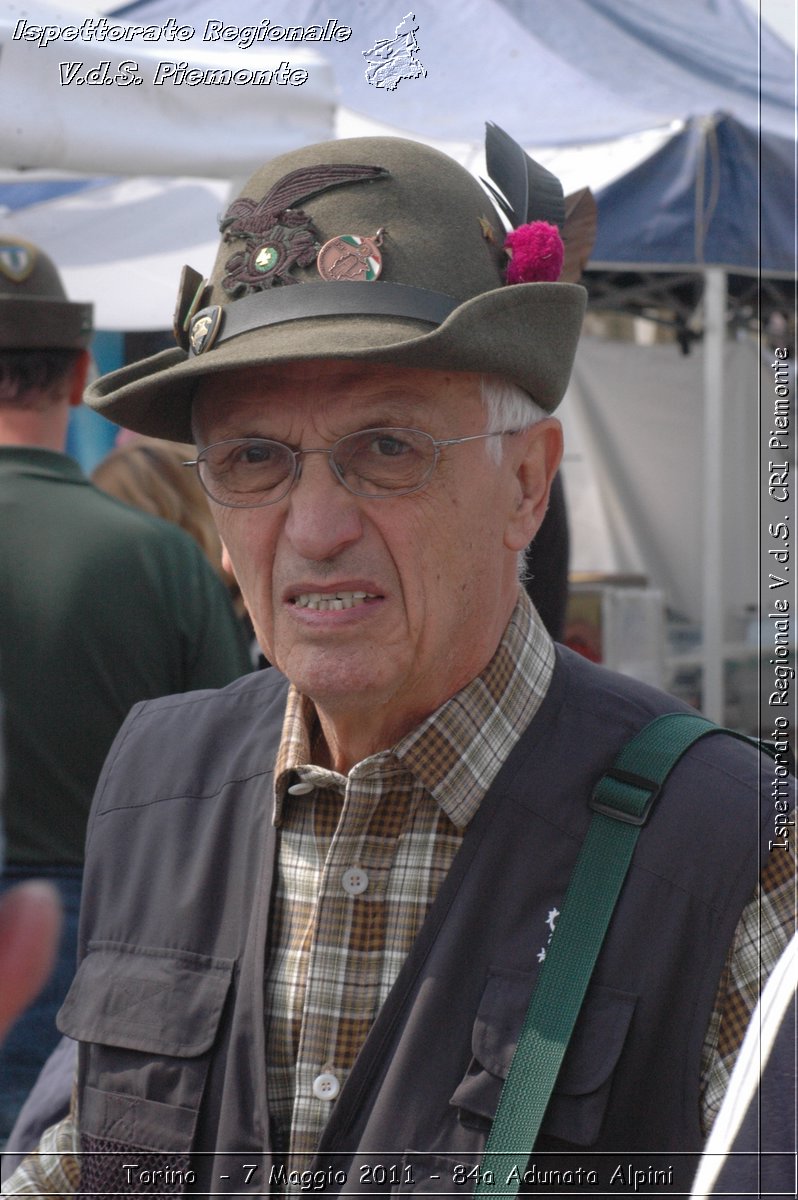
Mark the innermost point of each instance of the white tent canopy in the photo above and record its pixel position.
(128, 122)
(634, 468)
(122, 242)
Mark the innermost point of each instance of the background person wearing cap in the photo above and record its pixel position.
(318, 900)
(100, 607)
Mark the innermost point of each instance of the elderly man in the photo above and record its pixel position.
(318, 900)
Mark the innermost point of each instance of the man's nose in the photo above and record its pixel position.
(323, 517)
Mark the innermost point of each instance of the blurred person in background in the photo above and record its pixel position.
(30, 919)
(149, 473)
(100, 607)
(30, 925)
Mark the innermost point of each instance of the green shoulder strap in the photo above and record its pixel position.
(621, 804)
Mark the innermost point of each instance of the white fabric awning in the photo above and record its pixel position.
(111, 125)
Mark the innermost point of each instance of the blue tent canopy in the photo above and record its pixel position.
(15, 195)
(716, 193)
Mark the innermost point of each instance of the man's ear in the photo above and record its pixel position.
(535, 453)
(77, 383)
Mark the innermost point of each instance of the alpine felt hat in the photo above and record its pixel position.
(375, 249)
(35, 313)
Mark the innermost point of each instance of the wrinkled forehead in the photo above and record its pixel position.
(318, 388)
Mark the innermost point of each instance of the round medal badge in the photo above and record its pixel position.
(349, 256)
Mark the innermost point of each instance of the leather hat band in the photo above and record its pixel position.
(319, 300)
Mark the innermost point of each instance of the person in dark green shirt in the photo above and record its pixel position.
(101, 606)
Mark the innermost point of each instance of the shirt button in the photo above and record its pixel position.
(303, 788)
(326, 1086)
(355, 881)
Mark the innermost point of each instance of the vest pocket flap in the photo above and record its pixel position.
(595, 1045)
(156, 1001)
(499, 1019)
(579, 1099)
(597, 1040)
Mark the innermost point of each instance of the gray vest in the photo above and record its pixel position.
(168, 998)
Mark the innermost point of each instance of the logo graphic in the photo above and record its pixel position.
(16, 261)
(551, 921)
(393, 59)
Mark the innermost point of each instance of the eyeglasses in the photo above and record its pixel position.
(377, 463)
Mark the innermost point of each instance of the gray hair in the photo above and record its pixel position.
(507, 407)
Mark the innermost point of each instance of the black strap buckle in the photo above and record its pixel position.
(621, 814)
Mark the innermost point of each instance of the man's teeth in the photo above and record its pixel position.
(325, 601)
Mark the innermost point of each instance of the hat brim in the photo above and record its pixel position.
(44, 323)
(525, 332)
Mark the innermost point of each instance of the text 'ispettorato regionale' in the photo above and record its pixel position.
(100, 29)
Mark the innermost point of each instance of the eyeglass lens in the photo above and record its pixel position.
(372, 462)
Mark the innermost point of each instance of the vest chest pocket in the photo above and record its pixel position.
(147, 1019)
(578, 1102)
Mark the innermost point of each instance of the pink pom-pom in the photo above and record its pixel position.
(536, 253)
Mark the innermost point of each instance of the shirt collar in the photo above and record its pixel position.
(458, 751)
(33, 460)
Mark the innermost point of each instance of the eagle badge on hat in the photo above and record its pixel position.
(16, 260)
(277, 236)
(204, 328)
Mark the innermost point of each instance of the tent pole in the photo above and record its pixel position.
(713, 591)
